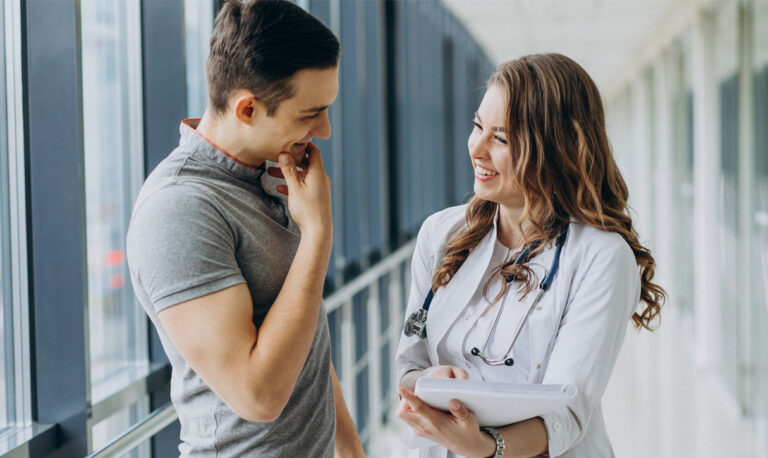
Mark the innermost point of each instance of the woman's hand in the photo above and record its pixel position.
(410, 378)
(456, 430)
(444, 372)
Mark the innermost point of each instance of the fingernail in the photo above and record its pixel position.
(283, 158)
(454, 405)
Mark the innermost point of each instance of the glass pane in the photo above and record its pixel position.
(683, 160)
(198, 25)
(6, 330)
(760, 208)
(334, 327)
(386, 373)
(113, 426)
(112, 144)
(373, 112)
(405, 285)
(728, 206)
(384, 305)
(351, 75)
(360, 319)
(361, 401)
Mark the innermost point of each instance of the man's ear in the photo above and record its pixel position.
(247, 108)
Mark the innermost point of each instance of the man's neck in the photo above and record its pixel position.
(221, 134)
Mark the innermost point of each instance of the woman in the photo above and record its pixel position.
(546, 187)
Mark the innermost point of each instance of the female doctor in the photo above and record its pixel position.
(536, 278)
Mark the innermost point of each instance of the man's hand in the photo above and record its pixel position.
(309, 192)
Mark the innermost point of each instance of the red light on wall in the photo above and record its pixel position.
(114, 258)
(116, 281)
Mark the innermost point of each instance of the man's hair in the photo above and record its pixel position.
(259, 45)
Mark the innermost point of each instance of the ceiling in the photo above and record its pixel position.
(607, 37)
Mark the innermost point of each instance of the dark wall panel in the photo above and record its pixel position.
(56, 219)
(165, 90)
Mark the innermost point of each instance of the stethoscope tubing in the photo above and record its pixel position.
(416, 323)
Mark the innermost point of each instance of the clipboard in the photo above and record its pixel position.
(495, 404)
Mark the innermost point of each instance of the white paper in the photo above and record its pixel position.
(495, 404)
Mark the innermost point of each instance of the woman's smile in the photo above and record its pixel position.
(484, 174)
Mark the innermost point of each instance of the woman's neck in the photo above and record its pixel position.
(507, 227)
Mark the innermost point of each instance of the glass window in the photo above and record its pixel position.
(727, 252)
(360, 320)
(5, 288)
(116, 424)
(112, 126)
(354, 139)
(759, 241)
(682, 118)
(198, 25)
(14, 361)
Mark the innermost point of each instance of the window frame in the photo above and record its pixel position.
(16, 238)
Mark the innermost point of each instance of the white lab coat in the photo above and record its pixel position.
(573, 337)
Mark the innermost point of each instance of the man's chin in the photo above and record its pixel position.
(298, 152)
(297, 156)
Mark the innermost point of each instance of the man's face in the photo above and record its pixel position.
(299, 119)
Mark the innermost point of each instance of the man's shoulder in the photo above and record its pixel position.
(172, 194)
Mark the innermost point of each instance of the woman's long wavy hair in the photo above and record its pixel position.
(564, 168)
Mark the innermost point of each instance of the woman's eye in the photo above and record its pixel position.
(503, 141)
(477, 125)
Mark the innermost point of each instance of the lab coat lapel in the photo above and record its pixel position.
(452, 299)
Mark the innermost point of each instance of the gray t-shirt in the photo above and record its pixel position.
(202, 223)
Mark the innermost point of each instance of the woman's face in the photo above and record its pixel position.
(489, 151)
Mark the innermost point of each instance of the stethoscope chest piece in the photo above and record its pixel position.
(416, 325)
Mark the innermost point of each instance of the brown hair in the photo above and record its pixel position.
(564, 168)
(259, 45)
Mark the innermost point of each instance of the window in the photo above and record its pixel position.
(5, 287)
(682, 118)
(116, 424)
(14, 375)
(759, 243)
(727, 253)
(198, 25)
(112, 126)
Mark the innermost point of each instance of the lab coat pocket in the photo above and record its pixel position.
(543, 325)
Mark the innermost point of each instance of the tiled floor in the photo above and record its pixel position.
(658, 404)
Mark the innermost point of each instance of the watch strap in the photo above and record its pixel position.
(499, 441)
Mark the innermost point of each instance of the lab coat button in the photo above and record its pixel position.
(538, 307)
(538, 366)
(556, 427)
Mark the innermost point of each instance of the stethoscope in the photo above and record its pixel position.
(417, 322)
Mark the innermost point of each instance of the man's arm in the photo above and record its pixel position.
(254, 371)
(347, 441)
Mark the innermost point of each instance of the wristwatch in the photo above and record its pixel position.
(499, 441)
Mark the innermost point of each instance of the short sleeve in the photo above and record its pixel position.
(180, 247)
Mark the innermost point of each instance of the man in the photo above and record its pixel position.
(231, 282)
